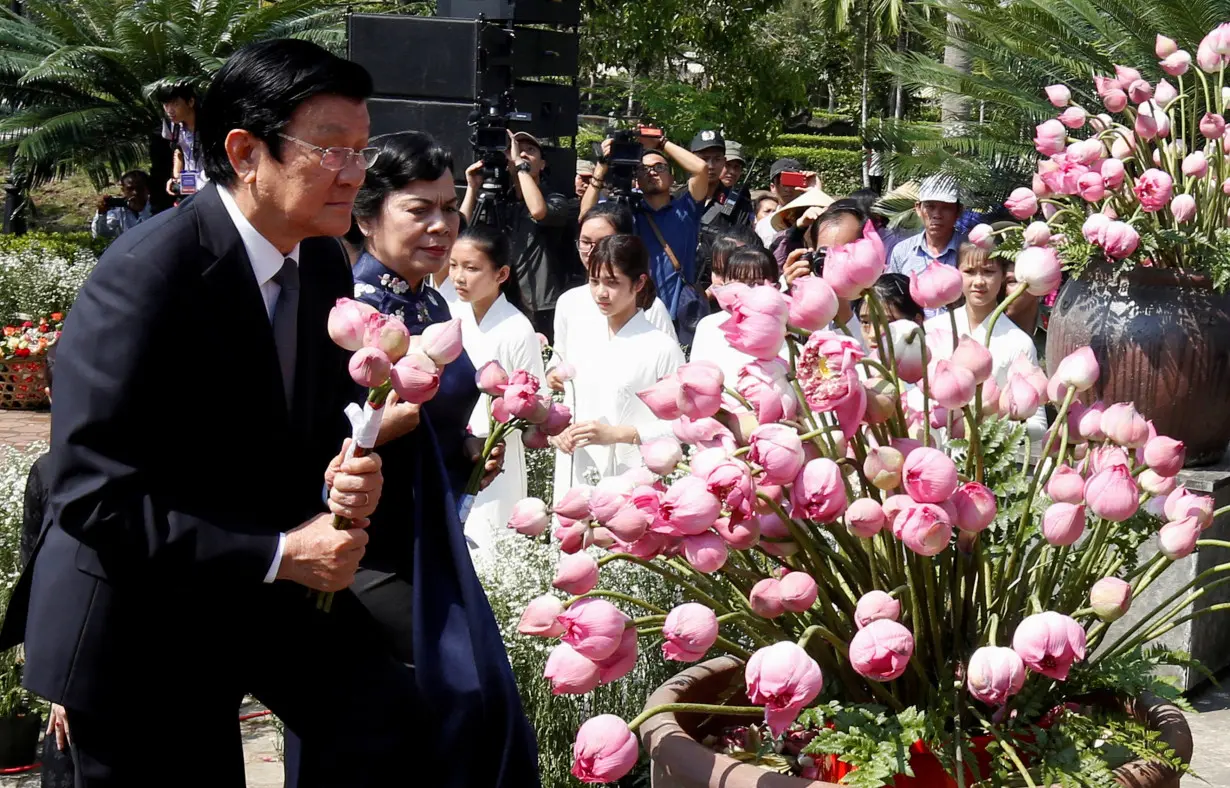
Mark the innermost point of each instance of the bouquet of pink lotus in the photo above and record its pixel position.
(901, 600)
(1146, 182)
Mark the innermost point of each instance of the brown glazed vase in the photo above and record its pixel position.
(678, 760)
(1162, 339)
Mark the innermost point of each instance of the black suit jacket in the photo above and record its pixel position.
(175, 462)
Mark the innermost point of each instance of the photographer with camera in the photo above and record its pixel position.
(540, 229)
(787, 180)
(669, 227)
(726, 205)
(179, 102)
(117, 214)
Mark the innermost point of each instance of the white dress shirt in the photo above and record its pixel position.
(266, 262)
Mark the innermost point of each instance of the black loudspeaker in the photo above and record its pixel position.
(429, 57)
(548, 12)
(561, 169)
(544, 53)
(552, 108)
(444, 120)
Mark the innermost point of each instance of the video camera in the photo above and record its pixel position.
(625, 158)
(489, 140)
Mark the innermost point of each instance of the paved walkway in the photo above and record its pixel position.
(23, 427)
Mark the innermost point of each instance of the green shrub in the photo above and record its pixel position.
(63, 244)
(820, 141)
(14, 468)
(840, 170)
(42, 273)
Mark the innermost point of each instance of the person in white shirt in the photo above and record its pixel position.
(115, 215)
(576, 314)
(609, 420)
(893, 290)
(983, 283)
(492, 329)
(750, 265)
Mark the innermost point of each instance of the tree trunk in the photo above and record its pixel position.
(954, 108)
(899, 87)
(865, 87)
(832, 107)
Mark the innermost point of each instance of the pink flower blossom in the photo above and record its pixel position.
(819, 493)
(1140, 91)
(764, 384)
(369, 367)
(1110, 598)
(1063, 523)
(620, 663)
(995, 674)
(1122, 424)
(798, 591)
(1155, 484)
(388, 335)
(778, 450)
(705, 552)
(530, 517)
(1039, 269)
(1049, 643)
(1066, 486)
(348, 323)
(1164, 47)
(883, 467)
(865, 518)
(952, 386)
(703, 433)
(1058, 95)
(757, 322)
(765, 598)
(441, 342)
(1126, 75)
(981, 234)
(569, 672)
(415, 377)
(1036, 234)
(975, 507)
(662, 454)
(1165, 455)
(1119, 240)
(1112, 174)
(690, 631)
(1177, 539)
(1209, 61)
(881, 650)
(1022, 203)
(972, 355)
(784, 679)
(605, 750)
(852, 268)
(813, 304)
(576, 574)
(1112, 494)
(936, 285)
(1183, 206)
(923, 528)
(593, 627)
(1153, 189)
(1115, 100)
(1079, 369)
(688, 508)
(1177, 63)
(1090, 187)
(1050, 138)
(1182, 503)
(1212, 126)
(930, 475)
(491, 379)
(540, 617)
(1073, 117)
(1195, 165)
(700, 389)
(1095, 226)
(876, 605)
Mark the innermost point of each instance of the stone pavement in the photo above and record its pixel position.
(23, 427)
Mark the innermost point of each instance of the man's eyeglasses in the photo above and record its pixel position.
(336, 159)
(656, 169)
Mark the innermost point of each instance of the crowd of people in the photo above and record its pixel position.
(159, 559)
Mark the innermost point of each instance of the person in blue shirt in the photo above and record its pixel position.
(939, 207)
(677, 219)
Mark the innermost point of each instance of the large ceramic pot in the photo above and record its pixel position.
(1162, 338)
(680, 761)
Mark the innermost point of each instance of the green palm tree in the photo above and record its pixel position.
(77, 76)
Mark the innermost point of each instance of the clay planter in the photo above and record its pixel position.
(679, 761)
(1162, 338)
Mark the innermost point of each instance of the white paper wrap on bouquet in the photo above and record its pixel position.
(364, 426)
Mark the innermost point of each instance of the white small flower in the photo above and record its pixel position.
(363, 288)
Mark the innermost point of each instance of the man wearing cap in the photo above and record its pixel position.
(724, 206)
(783, 193)
(585, 174)
(735, 164)
(540, 230)
(939, 207)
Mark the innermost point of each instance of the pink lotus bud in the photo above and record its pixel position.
(662, 454)
(1038, 186)
(1219, 39)
(923, 528)
(739, 534)
(990, 398)
(1112, 173)
(690, 630)
(1123, 425)
(416, 379)
(1039, 269)
(1115, 100)
(1096, 224)
(1050, 138)
(576, 574)
(369, 367)
(1037, 234)
(819, 493)
(1023, 203)
(1079, 369)
(705, 552)
(688, 508)
(540, 617)
(1119, 240)
(1020, 399)
(1177, 63)
(1066, 486)
(575, 503)
(1165, 456)
(971, 355)
(952, 386)
(1145, 126)
(731, 481)
(1073, 117)
(593, 627)
(442, 342)
(620, 663)
(881, 650)
(1183, 206)
(784, 679)
(883, 467)
(757, 323)
(703, 433)
(662, 398)
(895, 505)
(700, 389)
(1209, 61)
(1112, 493)
(1063, 523)
(1126, 76)
(605, 750)
(631, 520)
(1165, 94)
(777, 449)
(798, 591)
(1164, 47)
(852, 268)
(1110, 598)
(1123, 146)
(907, 349)
(1058, 95)
(1153, 190)
(388, 335)
(765, 598)
(1155, 484)
(569, 672)
(765, 385)
(876, 606)
(995, 674)
(813, 304)
(530, 517)
(1101, 123)
(1177, 539)
(558, 419)
(975, 507)
(881, 400)
(930, 475)
(523, 402)
(936, 285)
(982, 236)
(1195, 165)
(1090, 187)
(1049, 643)
(1102, 84)
(865, 518)
(1212, 126)
(1140, 91)
(348, 323)
(491, 379)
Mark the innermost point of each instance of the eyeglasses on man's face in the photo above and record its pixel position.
(337, 159)
(656, 169)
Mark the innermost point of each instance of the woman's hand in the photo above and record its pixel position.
(553, 380)
(495, 463)
(595, 433)
(57, 723)
(400, 418)
(797, 264)
(809, 217)
(564, 441)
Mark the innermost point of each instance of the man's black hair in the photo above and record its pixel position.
(846, 206)
(142, 174)
(165, 94)
(259, 88)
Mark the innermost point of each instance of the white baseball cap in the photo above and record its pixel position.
(939, 188)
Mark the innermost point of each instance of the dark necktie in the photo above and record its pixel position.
(286, 323)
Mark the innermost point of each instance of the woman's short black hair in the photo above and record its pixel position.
(616, 215)
(752, 266)
(405, 157)
(260, 87)
(726, 244)
(166, 93)
(627, 255)
(894, 291)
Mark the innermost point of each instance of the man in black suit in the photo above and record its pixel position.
(197, 417)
